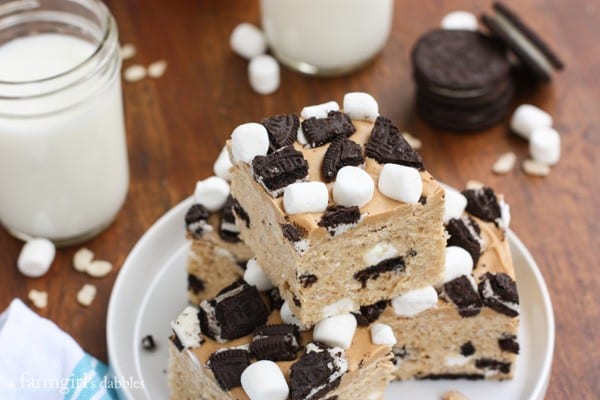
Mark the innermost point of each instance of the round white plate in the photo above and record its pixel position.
(151, 290)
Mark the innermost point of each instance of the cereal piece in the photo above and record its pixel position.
(278, 342)
(279, 169)
(304, 197)
(361, 106)
(282, 130)
(459, 20)
(228, 365)
(462, 291)
(535, 168)
(264, 380)
(353, 187)
(86, 295)
(263, 74)
(82, 259)
(254, 275)
(212, 193)
(400, 183)
(222, 166)
(387, 145)
(474, 184)
(413, 141)
(157, 69)
(382, 334)
(319, 131)
(336, 331)
(415, 301)
(340, 153)
(135, 73)
(288, 317)
(148, 343)
(454, 395)
(544, 145)
(505, 163)
(187, 328)
(319, 110)
(128, 51)
(458, 262)
(483, 203)
(248, 141)
(36, 257)
(527, 118)
(247, 40)
(38, 298)
(99, 268)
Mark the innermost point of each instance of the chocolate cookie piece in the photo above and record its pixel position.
(495, 365)
(275, 300)
(317, 372)
(499, 292)
(340, 153)
(278, 169)
(395, 264)
(369, 314)
(148, 343)
(387, 145)
(449, 376)
(233, 313)
(195, 284)
(292, 232)
(282, 130)
(241, 213)
(196, 220)
(467, 349)
(482, 203)
(229, 231)
(509, 344)
(319, 131)
(335, 217)
(228, 365)
(465, 233)
(462, 293)
(276, 342)
(307, 280)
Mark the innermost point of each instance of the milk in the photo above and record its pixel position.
(326, 36)
(63, 157)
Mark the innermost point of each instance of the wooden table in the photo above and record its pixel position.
(177, 124)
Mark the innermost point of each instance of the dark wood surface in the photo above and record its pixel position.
(177, 124)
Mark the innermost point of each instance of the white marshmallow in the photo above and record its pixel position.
(400, 183)
(458, 262)
(263, 74)
(300, 137)
(263, 380)
(287, 317)
(353, 187)
(212, 193)
(254, 275)
(504, 220)
(454, 204)
(36, 257)
(544, 145)
(319, 110)
(222, 166)
(381, 251)
(459, 20)
(527, 118)
(342, 306)
(248, 141)
(412, 303)
(382, 334)
(305, 197)
(336, 331)
(247, 40)
(361, 106)
(187, 328)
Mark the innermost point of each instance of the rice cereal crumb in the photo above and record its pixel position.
(38, 298)
(454, 395)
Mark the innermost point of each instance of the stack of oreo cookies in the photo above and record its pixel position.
(463, 80)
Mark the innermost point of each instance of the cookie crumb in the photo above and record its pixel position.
(86, 295)
(148, 343)
(505, 163)
(38, 298)
(535, 168)
(454, 395)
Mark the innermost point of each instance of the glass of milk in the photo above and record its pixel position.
(326, 37)
(63, 154)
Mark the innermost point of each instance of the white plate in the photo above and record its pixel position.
(151, 290)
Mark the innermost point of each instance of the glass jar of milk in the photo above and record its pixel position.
(63, 154)
(326, 37)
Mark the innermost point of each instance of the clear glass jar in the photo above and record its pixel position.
(63, 156)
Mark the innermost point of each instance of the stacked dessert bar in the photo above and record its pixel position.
(351, 280)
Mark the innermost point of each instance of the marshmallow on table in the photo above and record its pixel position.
(264, 380)
(353, 187)
(360, 105)
(544, 145)
(336, 331)
(527, 118)
(382, 334)
(36, 257)
(458, 262)
(305, 197)
(415, 301)
(454, 204)
(247, 40)
(212, 193)
(222, 166)
(460, 20)
(248, 141)
(263, 74)
(254, 275)
(400, 183)
(319, 110)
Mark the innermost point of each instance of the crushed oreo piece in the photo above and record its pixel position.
(282, 130)
(231, 286)
(387, 145)
(495, 365)
(369, 314)
(340, 153)
(148, 343)
(336, 216)
(437, 377)
(509, 344)
(307, 280)
(280, 168)
(195, 284)
(229, 231)
(482, 203)
(466, 233)
(423, 200)
(292, 232)
(319, 131)
(399, 354)
(499, 292)
(242, 264)
(462, 293)
(317, 372)
(467, 349)
(228, 365)
(276, 342)
(176, 342)
(395, 264)
(233, 313)
(275, 300)
(412, 252)
(196, 220)
(240, 212)
(297, 301)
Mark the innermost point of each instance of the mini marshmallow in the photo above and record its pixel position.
(458, 262)
(412, 303)
(342, 306)
(300, 137)
(454, 204)
(254, 275)
(212, 193)
(353, 187)
(247, 40)
(459, 20)
(381, 251)
(400, 183)
(382, 334)
(36, 257)
(319, 110)
(288, 317)
(336, 331)
(264, 380)
(248, 141)
(222, 166)
(263, 74)
(544, 145)
(504, 220)
(305, 197)
(527, 118)
(82, 259)
(361, 106)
